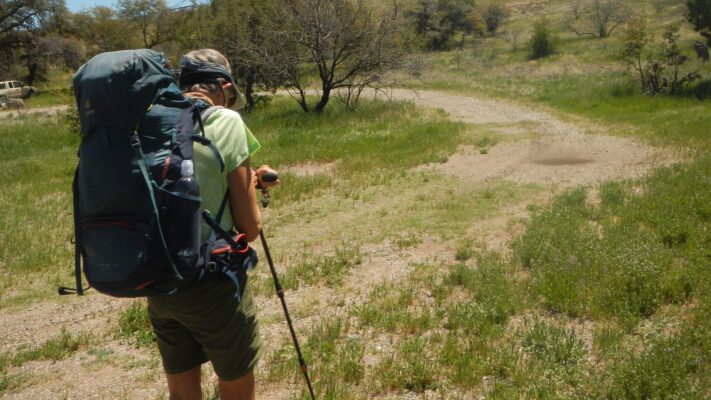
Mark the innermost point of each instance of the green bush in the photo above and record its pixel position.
(543, 41)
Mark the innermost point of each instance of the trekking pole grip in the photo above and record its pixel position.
(268, 177)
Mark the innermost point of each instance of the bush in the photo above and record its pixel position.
(542, 42)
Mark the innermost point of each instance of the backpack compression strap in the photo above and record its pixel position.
(140, 158)
(77, 243)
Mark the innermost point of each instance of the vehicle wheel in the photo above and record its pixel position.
(3, 101)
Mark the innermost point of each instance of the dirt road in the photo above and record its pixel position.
(557, 152)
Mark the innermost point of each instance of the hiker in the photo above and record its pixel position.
(207, 322)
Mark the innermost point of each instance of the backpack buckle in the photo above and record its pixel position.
(211, 266)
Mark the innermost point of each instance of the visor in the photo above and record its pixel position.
(194, 71)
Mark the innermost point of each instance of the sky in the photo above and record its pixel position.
(79, 5)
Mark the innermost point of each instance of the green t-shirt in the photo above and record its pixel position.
(236, 143)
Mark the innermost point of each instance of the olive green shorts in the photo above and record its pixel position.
(206, 323)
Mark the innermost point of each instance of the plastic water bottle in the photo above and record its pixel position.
(187, 183)
(183, 217)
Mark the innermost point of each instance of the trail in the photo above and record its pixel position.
(537, 147)
(552, 151)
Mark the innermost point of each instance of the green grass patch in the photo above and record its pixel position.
(50, 98)
(54, 349)
(35, 207)
(630, 254)
(612, 98)
(328, 270)
(135, 325)
(669, 365)
(372, 144)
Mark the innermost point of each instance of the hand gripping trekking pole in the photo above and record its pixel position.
(272, 177)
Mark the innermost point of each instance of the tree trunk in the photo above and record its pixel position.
(249, 91)
(324, 100)
(302, 101)
(32, 68)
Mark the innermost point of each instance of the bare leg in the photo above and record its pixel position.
(185, 385)
(238, 389)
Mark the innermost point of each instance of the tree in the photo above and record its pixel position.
(635, 42)
(455, 16)
(652, 67)
(423, 16)
(242, 32)
(153, 18)
(22, 24)
(597, 18)
(514, 34)
(342, 42)
(22, 14)
(494, 16)
(698, 12)
(439, 21)
(102, 30)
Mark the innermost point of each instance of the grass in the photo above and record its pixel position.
(57, 348)
(135, 326)
(328, 270)
(371, 145)
(598, 300)
(36, 203)
(54, 349)
(642, 251)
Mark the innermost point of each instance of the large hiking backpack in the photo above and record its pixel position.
(135, 234)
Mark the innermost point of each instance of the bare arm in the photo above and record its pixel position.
(243, 201)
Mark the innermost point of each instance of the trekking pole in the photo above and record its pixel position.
(272, 177)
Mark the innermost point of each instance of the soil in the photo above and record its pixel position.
(544, 149)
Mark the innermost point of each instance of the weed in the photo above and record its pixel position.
(336, 357)
(494, 294)
(329, 270)
(552, 344)
(135, 325)
(607, 340)
(397, 309)
(410, 367)
(407, 241)
(54, 349)
(464, 250)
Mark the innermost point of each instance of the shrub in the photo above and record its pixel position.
(542, 42)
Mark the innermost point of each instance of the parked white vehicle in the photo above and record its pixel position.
(14, 90)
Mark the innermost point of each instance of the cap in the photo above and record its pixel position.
(206, 65)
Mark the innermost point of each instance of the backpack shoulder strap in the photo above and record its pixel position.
(201, 117)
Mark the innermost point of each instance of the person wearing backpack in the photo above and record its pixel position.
(210, 321)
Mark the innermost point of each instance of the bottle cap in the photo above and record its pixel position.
(186, 168)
